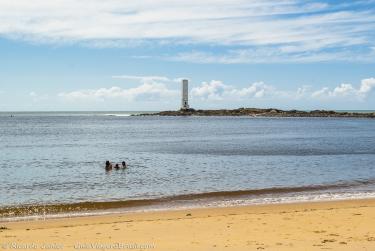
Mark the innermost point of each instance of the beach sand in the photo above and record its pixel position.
(335, 225)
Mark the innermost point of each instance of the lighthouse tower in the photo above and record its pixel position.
(185, 95)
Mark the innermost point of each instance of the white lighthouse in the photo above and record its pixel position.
(185, 95)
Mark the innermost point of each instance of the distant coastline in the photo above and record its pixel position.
(257, 112)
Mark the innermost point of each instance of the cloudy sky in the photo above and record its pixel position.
(131, 55)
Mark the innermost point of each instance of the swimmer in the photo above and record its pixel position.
(124, 165)
(108, 165)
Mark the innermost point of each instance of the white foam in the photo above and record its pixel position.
(118, 115)
(294, 199)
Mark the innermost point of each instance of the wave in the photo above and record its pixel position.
(217, 198)
(118, 115)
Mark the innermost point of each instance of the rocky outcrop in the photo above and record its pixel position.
(255, 112)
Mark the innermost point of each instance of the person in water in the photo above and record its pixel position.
(108, 165)
(124, 165)
(117, 166)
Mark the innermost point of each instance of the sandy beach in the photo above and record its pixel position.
(338, 225)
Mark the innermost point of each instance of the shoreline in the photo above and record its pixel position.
(233, 199)
(340, 190)
(337, 225)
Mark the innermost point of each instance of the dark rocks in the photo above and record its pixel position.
(256, 112)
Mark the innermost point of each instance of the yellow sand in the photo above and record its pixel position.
(342, 225)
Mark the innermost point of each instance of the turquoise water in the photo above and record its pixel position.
(59, 157)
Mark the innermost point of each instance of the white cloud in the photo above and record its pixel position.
(367, 85)
(270, 29)
(217, 90)
(347, 90)
(271, 54)
(142, 79)
(113, 20)
(144, 92)
(344, 90)
(214, 90)
(302, 91)
(321, 93)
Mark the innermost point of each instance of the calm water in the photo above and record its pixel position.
(59, 157)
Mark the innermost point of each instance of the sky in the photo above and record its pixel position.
(122, 55)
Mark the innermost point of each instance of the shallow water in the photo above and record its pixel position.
(53, 158)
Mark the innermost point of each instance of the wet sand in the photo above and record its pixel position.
(338, 225)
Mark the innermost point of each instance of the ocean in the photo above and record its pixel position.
(53, 163)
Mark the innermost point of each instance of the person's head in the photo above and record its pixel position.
(123, 163)
(107, 163)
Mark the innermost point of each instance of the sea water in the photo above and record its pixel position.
(57, 158)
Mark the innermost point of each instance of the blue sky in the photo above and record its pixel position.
(131, 55)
